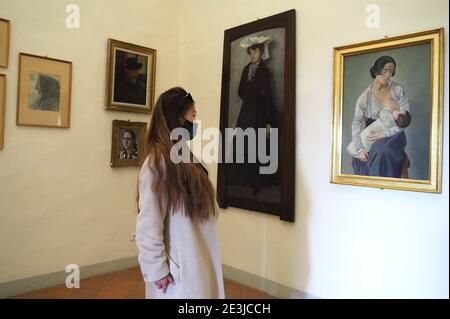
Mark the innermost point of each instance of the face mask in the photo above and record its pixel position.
(191, 127)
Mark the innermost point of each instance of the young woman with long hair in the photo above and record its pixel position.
(176, 231)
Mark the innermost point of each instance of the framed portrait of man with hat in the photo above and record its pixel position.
(258, 106)
(131, 77)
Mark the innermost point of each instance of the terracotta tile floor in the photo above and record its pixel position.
(126, 284)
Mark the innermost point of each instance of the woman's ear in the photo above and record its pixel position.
(181, 120)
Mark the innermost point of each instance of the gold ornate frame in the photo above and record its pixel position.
(433, 184)
(151, 70)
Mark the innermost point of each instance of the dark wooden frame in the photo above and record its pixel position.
(285, 209)
(142, 153)
(110, 104)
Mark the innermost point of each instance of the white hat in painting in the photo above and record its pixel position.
(259, 39)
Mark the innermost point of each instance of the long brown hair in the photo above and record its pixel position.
(182, 185)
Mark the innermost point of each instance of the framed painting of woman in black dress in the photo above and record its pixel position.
(388, 113)
(257, 117)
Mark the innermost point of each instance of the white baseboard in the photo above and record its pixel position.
(269, 287)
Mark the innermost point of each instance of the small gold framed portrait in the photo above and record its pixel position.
(128, 143)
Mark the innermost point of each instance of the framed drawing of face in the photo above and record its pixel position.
(257, 117)
(388, 113)
(5, 26)
(131, 77)
(128, 143)
(44, 91)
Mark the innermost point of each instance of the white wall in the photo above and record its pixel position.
(60, 201)
(346, 241)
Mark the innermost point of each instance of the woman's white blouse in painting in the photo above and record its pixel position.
(368, 106)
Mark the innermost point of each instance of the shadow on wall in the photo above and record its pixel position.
(300, 246)
(291, 252)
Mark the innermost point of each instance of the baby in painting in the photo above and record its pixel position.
(390, 116)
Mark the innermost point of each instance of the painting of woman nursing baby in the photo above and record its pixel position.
(382, 113)
(388, 113)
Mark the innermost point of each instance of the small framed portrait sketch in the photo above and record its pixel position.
(388, 113)
(257, 117)
(44, 90)
(128, 143)
(2, 108)
(5, 27)
(131, 77)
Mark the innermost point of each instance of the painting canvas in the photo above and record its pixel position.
(131, 77)
(44, 91)
(388, 113)
(258, 99)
